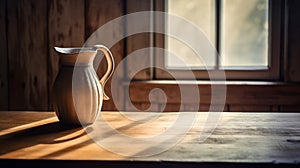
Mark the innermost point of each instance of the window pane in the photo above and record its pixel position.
(244, 33)
(202, 14)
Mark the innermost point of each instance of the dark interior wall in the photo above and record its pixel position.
(29, 29)
(3, 58)
(293, 41)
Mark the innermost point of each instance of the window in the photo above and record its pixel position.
(246, 35)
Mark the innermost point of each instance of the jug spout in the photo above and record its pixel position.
(76, 50)
(70, 56)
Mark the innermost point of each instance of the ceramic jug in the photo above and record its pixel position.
(77, 91)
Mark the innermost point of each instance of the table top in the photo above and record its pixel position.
(238, 138)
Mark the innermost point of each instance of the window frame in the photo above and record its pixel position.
(275, 50)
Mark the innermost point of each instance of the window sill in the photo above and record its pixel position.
(208, 82)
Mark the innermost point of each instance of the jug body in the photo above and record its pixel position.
(77, 100)
(78, 93)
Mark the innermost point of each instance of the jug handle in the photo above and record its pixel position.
(110, 67)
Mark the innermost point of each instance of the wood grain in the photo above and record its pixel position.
(275, 108)
(98, 13)
(142, 106)
(66, 28)
(159, 40)
(27, 54)
(169, 107)
(249, 108)
(176, 107)
(289, 108)
(204, 107)
(293, 50)
(138, 41)
(3, 58)
(237, 94)
(270, 139)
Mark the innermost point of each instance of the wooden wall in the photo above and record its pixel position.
(29, 29)
(3, 58)
(293, 41)
(253, 97)
(27, 54)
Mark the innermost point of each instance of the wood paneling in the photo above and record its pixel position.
(293, 49)
(290, 108)
(275, 108)
(249, 108)
(30, 29)
(175, 107)
(27, 54)
(159, 39)
(277, 94)
(3, 58)
(205, 107)
(237, 94)
(65, 29)
(99, 13)
(169, 107)
(138, 41)
(144, 106)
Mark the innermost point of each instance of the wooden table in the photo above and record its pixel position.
(37, 139)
